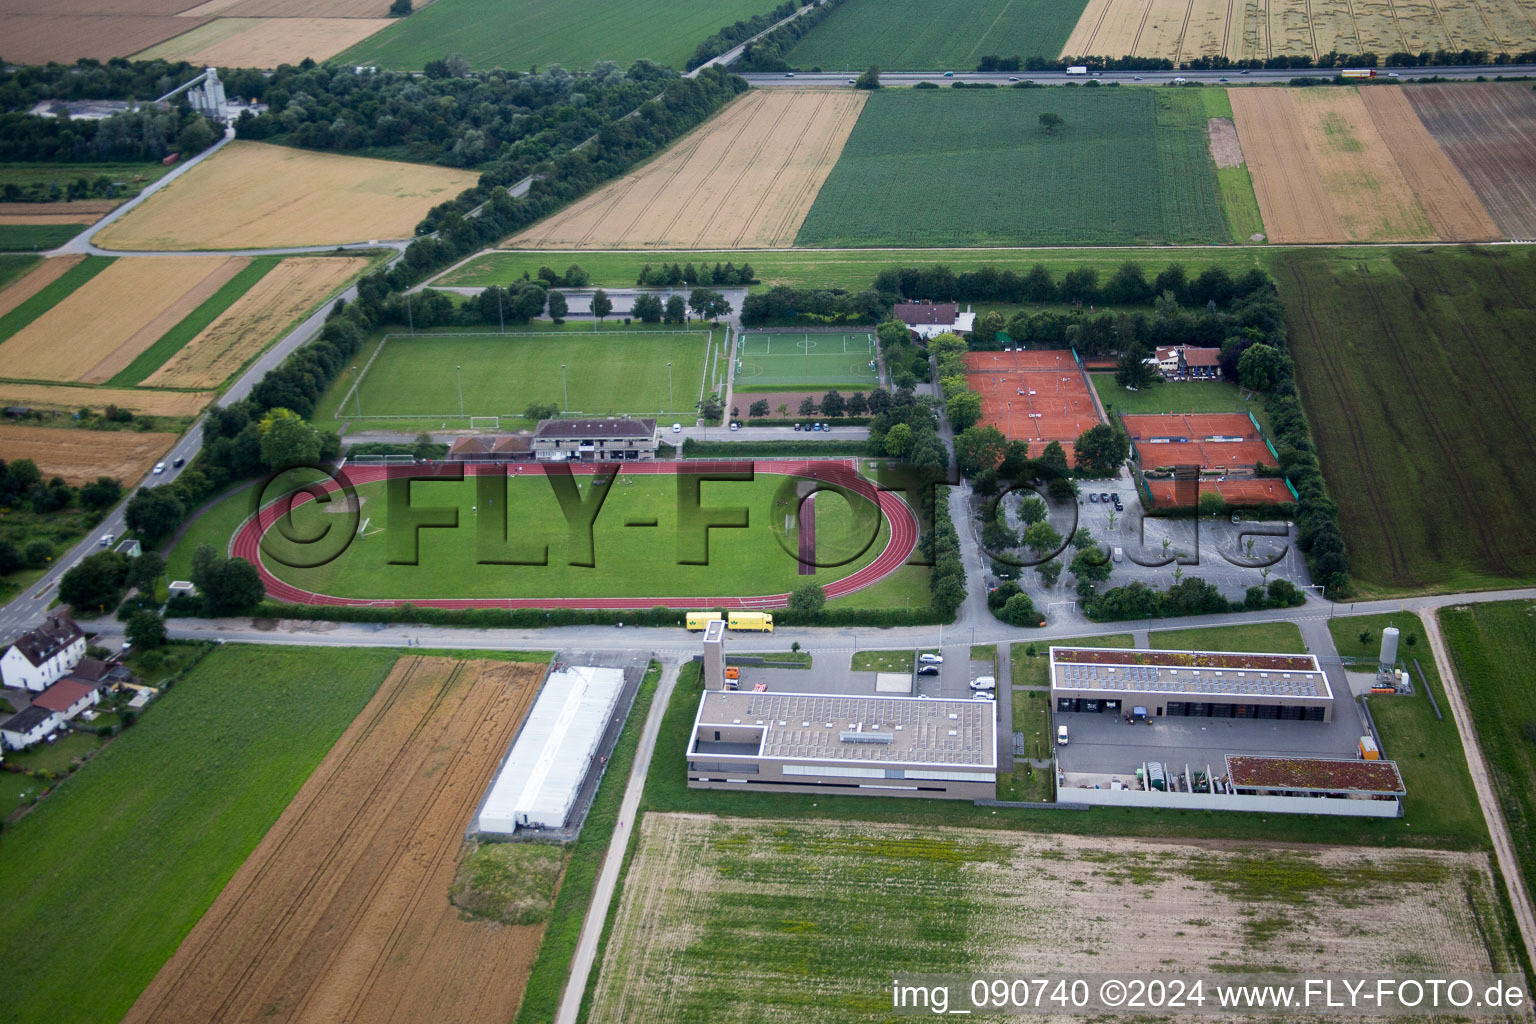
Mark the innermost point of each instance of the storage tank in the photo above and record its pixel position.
(1388, 650)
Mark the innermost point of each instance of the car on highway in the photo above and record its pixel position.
(178, 462)
(931, 659)
(1013, 78)
(949, 74)
(106, 541)
(159, 467)
(735, 425)
(1135, 78)
(1392, 74)
(789, 74)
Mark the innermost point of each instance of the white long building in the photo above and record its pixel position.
(542, 775)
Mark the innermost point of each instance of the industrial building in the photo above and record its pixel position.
(1144, 684)
(544, 771)
(881, 746)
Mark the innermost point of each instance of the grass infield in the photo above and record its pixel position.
(812, 361)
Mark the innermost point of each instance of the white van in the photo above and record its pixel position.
(1061, 735)
(1119, 554)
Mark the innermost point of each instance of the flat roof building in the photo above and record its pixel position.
(1193, 684)
(613, 439)
(884, 746)
(557, 746)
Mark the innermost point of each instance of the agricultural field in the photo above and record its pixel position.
(325, 922)
(518, 34)
(265, 42)
(135, 400)
(282, 296)
(744, 179)
(1182, 30)
(959, 183)
(1485, 128)
(460, 563)
(45, 283)
(1233, 182)
(129, 179)
(293, 9)
(249, 725)
(114, 317)
(80, 456)
(84, 211)
(1325, 166)
(26, 237)
(1412, 370)
(1491, 647)
(912, 35)
(809, 361)
(608, 373)
(287, 197)
(38, 31)
(838, 908)
(853, 269)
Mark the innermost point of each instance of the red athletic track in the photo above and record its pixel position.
(903, 540)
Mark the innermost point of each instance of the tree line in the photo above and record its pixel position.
(740, 31)
(782, 304)
(1127, 286)
(670, 275)
(24, 488)
(134, 136)
(1333, 59)
(767, 54)
(23, 86)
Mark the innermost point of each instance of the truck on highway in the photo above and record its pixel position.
(698, 621)
(1358, 73)
(1077, 69)
(753, 622)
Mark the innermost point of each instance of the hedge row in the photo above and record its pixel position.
(693, 449)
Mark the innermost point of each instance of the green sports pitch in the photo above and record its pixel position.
(805, 361)
(598, 374)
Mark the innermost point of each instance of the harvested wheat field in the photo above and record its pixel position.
(1182, 30)
(1489, 131)
(846, 906)
(136, 400)
(80, 456)
(1324, 171)
(1453, 209)
(84, 211)
(746, 178)
(265, 42)
(37, 38)
(342, 912)
(41, 276)
(103, 325)
(255, 195)
(285, 294)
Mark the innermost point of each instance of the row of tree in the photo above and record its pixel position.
(738, 32)
(1127, 286)
(22, 486)
(767, 53)
(23, 86)
(1192, 596)
(833, 405)
(1333, 59)
(134, 136)
(670, 275)
(782, 304)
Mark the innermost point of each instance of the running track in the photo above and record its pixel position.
(903, 538)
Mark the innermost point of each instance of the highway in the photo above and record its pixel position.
(1231, 76)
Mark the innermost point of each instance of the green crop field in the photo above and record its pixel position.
(1415, 372)
(925, 35)
(974, 167)
(637, 560)
(779, 361)
(519, 34)
(1492, 647)
(107, 875)
(607, 373)
(13, 267)
(36, 237)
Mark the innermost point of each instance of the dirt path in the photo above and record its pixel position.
(1503, 846)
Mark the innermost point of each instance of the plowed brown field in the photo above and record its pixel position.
(80, 456)
(1448, 201)
(265, 42)
(342, 912)
(40, 277)
(104, 324)
(745, 178)
(37, 38)
(251, 194)
(138, 400)
(1489, 131)
(285, 294)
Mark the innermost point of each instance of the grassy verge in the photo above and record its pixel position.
(782, 657)
(36, 237)
(215, 526)
(906, 588)
(50, 296)
(1254, 637)
(169, 810)
(882, 661)
(541, 998)
(1347, 632)
(984, 652)
(172, 341)
(131, 177)
(1492, 647)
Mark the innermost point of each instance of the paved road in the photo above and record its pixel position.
(802, 79)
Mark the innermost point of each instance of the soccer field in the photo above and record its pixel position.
(812, 361)
(603, 374)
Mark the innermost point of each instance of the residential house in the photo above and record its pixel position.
(41, 657)
(28, 726)
(68, 697)
(930, 319)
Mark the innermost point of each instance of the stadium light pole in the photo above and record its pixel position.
(563, 390)
(671, 403)
(357, 391)
(459, 373)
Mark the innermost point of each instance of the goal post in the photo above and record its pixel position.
(485, 423)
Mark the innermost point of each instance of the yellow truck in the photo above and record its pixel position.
(756, 622)
(699, 621)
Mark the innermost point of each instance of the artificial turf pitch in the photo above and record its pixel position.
(808, 360)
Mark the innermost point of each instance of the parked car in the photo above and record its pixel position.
(928, 670)
(984, 683)
(1061, 735)
(984, 695)
(1104, 497)
(797, 426)
(1094, 498)
(159, 467)
(735, 425)
(931, 659)
(677, 428)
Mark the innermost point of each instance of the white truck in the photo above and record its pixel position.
(1078, 69)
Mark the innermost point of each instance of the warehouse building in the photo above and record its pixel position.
(881, 746)
(1194, 684)
(543, 773)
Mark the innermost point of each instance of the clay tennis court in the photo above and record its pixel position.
(747, 177)
(1251, 491)
(80, 456)
(1039, 396)
(1191, 426)
(1208, 455)
(342, 912)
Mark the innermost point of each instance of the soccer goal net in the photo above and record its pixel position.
(485, 423)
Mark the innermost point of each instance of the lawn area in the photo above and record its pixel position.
(1251, 638)
(215, 526)
(613, 372)
(524, 34)
(854, 270)
(1032, 717)
(948, 167)
(926, 35)
(17, 790)
(1492, 647)
(129, 178)
(457, 562)
(36, 237)
(1238, 203)
(55, 757)
(883, 661)
(51, 295)
(1346, 637)
(1175, 396)
(1413, 367)
(168, 811)
(13, 267)
(905, 588)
